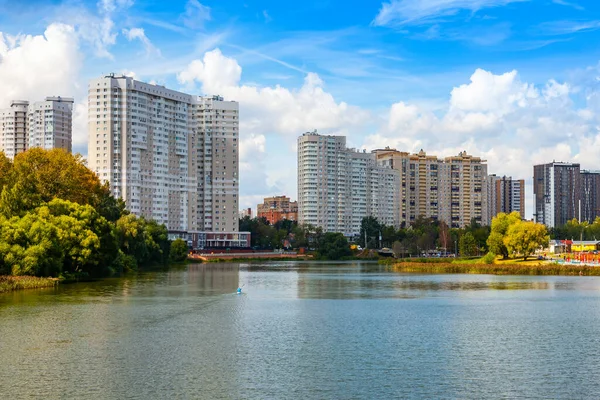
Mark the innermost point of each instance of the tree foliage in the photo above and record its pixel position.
(179, 250)
(333, 246)
(57, 218)
(500, 225)
(370, 229)
(467, 245)
(525, 237)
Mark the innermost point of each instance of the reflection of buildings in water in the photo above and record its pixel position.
(315, 284)
(327, 285)
(221, 277)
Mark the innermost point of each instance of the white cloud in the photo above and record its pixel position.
(267, 16)
(196, 14)
(568, 27)
(95, 27)
(215, 71)
(417, 12)
(568, 4)
(138, 33)
(109, 6)
(271, 113)
(489, 92)
(28, 64)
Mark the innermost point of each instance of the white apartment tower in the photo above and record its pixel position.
(46, 124)
(14, 135)
(51, 123)
(338, 187)
(171, 156)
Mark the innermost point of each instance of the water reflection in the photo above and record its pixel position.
(186, 334)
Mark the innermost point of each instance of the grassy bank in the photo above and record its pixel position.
(8, 283)
(503, 268)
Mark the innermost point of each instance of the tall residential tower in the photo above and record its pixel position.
(338, 187)
(505, 195)
(557, 192)
(171, 156)
(46, 124)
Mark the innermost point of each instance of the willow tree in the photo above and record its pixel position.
(525, 237)
(500, 226)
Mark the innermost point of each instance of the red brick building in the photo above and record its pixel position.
(278, 208)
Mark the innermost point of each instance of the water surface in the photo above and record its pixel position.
(303, 331)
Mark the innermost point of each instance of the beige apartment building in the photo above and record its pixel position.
(506, 195)
(449, 189)
(47, 124)
(468, 190)
(173, 157)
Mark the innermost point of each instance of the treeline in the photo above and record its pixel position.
(575, 230)
(423, 236)
(57, 219)
(508, 235)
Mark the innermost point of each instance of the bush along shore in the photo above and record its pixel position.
(494, 269)
(8, 283)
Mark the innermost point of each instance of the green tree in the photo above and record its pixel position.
(5, 169)
(179, 250)
(467, 245)
(500, 225)
(333, 246)
(59, 237)
(525, 237)
(372, 228)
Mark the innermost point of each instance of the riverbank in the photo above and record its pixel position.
(495, 269)
(10, 283)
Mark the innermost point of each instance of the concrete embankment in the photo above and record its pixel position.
(206, 257)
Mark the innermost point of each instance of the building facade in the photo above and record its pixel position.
(423, 191)
(557, 192)
(451, 190)
(338, 187)
(47, 124)
(278, 208)
(467, 179)
(51, 123)
(590, 195)
(505, 195)
(14, 132)
(172, 157)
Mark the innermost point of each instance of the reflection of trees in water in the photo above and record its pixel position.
(365, 286)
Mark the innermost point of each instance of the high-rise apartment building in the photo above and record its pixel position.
(338, 187)
(170, 156)
(423, 192)
(590, 195)
(505, 195)
(46, 124)
(51, 123)
(468, 200)
(452, 190)
(14, 134)
(557, 192)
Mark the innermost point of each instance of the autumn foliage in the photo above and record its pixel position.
(58, 219)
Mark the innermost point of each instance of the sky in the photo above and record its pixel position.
(516, 82)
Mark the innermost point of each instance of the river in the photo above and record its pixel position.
(303, 331)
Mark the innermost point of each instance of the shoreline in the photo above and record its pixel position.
(539, 269)
(10, 283)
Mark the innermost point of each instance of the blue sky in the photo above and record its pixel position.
(514, 81)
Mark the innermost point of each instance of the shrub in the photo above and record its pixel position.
(489, 258)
